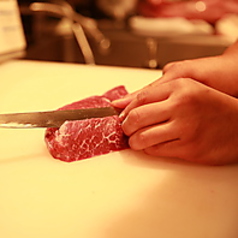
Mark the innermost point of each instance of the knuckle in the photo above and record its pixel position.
(142, 139)
(186, 94)
(175, 66)
(168, 66)
(142, 97)
(181, 68)
(177, 86)
(138, 141)
(189, 101)
(184, 64)
(134, 116)
(181, 83)
(131, 123)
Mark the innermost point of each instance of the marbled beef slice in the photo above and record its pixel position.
(76, 140)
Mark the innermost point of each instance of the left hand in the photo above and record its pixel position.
(185, 119)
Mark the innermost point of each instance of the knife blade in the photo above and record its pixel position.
(53, 118)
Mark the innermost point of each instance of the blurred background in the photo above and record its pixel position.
(130, 33)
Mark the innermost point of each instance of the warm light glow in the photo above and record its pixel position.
(200, 6)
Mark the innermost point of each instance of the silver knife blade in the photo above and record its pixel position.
(52, 118)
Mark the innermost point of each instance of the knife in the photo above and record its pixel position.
(53, 118)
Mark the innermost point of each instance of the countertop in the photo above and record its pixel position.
(123, 194)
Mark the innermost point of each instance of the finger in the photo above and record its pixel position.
(179, 69)
(191, 69)
(166, 149)
(167, 67)
(123, 102)
(146, 115)
(148, 95)
(153, 135)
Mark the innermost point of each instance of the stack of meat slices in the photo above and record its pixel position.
(76, 140)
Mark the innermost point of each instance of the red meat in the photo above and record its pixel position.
(76, 140)
(208, 10)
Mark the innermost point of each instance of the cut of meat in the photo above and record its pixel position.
(86, 138)
(115, 93)
(76, 140)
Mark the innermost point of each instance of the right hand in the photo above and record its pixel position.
(184, 119)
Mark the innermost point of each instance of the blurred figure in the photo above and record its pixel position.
(208, 10)
(117, 9)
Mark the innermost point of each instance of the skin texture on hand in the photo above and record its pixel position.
(185, 119)
(219, 72)
(190, 112)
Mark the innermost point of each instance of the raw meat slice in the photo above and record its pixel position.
(76, 140)
(115, 93)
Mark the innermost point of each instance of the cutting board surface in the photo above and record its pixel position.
(119, 195)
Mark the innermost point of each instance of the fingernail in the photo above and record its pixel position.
(122, 116)
(118, 101)
(124, 120)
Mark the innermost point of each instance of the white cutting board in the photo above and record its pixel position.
(120, 195)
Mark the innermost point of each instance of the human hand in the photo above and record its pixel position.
(185, 119)
(219, 72)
